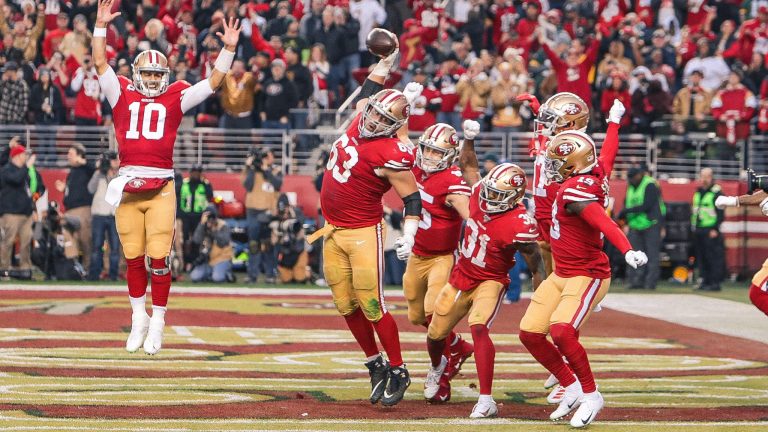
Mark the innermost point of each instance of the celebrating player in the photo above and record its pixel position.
(373, 155)
(147, 112)
(561, 112)
(582, 274)
(758, 290)
(445, 204)
(498, 226)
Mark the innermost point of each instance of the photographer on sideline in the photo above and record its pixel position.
(289, 239)
(194, 194)
(262, 181)
(21, 185)
(214, 263)
(103, 218)
(77, 199)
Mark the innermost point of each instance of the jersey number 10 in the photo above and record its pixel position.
(148, 131)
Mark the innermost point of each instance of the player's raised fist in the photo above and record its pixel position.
(531, 99)
(381, 43)
(412, 91)
(104, 14)
(471, 129)
(616, 112)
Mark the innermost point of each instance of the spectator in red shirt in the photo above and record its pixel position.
(573, 72)
(53, 37)
(424, 108)
(733, 107)
(617, 88)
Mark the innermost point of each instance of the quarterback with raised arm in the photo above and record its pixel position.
(582, 274)
(497, 227)
(372, 156)
(445, 205)
(147, 111)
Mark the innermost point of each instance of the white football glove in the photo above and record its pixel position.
(724, 201)
(412, 91)
(636, 259)
(403, 246)
(617, 112)
(384, 65)
(471, 129)
(764, 207)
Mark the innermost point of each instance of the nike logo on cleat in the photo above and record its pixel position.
(586, 420)
(387, 395)
(376, 387)
(570, 405)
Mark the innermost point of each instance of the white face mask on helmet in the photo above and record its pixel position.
(155, 62)
(438, 139)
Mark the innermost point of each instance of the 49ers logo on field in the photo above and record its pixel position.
(136, 183)
(565, 149)
(571, 108)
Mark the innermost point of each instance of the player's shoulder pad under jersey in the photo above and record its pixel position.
(398, 155)
(456, 183)
(582, 188)
(525, 227)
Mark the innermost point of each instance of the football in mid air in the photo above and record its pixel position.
(381, 42)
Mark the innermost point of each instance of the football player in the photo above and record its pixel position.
(498, 226)
(444, 204)
(582, 276)
(147, 112)
(758, 290)
(561, 112)
(373, 156)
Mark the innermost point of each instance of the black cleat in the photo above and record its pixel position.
(398, 383)
(378, 369)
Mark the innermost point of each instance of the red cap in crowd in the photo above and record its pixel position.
(17, 150)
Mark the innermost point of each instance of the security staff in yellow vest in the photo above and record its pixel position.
(262, 180)
(644, 213)
(708, 241)
(194, 194)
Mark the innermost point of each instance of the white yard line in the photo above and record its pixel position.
(715, 315)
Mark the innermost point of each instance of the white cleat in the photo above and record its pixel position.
(556, 395)
(551, 382)
(591, 404)
(432, 382)
(571, 400)
(154, 340)
(484, 409)
(139, 328)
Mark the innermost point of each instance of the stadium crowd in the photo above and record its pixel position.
(694, 65)
(698, 64)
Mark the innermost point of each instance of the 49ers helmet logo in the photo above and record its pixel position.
(137, 183)
(517, 180)
(406, 110)
(571, 109)
(565, 149)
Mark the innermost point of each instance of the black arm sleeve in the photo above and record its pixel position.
(412, 204)
(369, 89)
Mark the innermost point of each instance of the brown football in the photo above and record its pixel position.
(381, 42)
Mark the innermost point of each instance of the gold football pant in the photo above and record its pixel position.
(145, 222)
(563, 300)
(481, 304)
(423, 279)
(353, 263)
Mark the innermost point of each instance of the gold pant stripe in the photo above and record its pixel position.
(586, 302)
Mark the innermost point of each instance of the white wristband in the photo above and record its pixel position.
(410, 226)
(763, 202)
(100, 32)
(224, 60)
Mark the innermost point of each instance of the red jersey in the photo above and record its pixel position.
(429, 18)
(504, 19)
(351, 193)
(544, 191)
(423, 112)
(88, 101)
(487, 251)
(577, 246)
(574, 79)
(440, 225)
(145, 128)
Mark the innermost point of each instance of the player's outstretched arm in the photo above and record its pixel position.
(532, 256)
(758, 197)
(404, 183)
(230, 37)
(104, 16)
(594, 214)
(375, 80)
(470, 168)
(108, 81)
(610, 148)
(460, 203)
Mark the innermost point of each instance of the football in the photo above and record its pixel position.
(381, 42)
